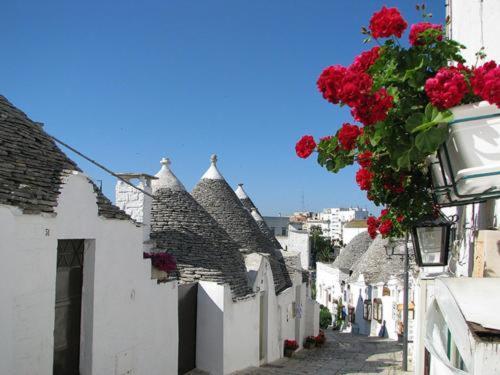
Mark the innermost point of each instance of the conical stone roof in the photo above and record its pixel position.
(203, 250)
(32, 167)
(220, 201)
(254, 211)
(353, 252)
(376, 266)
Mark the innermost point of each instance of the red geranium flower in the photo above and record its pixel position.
(447, 88)
(365, 60)
(387, 22)
(418, 28)
(384, 212)
(385, 227)
(373, 108)
(348, 135)
(354, 86)
(400, 218)
(329, 82)
(305, 146)
(477, 79)
(486, 82)
(372, 224)
(364, 179)
(365, 159)
(325, 139)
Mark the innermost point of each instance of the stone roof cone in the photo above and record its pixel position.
(353, 252)
(375, 265)
(251, 207)
(32, 166)
(166, 178)
(203, 250)
(220, 201)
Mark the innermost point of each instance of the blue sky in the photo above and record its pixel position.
(129, 82)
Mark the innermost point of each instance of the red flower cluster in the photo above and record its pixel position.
(321, 338)
(385, 227)
(365, 60)
(330, 81)
(305, 146)
(373, 108)
(477, 79)
(486, 82)
(326, 138)
(373, 224)
(387, 22)
(364, 178)
(348, 135)
(419, 28)
(354, 86)
(163, 261)
(291, 344)
(365, 159)
(447, 88)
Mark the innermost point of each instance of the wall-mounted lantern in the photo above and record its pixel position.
(431, 241)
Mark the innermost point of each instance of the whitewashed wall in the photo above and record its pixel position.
(227, 331)
(349, 233)
(297, 240)
(126, 316)
(329, 277)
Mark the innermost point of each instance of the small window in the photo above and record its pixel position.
(283, 231)
(367, 310)
(377, 309)
(386, 291)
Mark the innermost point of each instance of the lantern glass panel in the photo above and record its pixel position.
(431, 243)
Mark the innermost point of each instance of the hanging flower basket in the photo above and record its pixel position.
(470, 157)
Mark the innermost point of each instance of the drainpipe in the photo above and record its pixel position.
(405, 306)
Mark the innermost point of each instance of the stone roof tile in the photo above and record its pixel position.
(32, 167)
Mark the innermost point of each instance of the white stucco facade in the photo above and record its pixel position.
(126, 315)
(329, 288)
(298, 241)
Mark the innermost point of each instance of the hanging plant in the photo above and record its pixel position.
(162, 261)
(399, 99)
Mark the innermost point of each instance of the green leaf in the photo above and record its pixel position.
(404, 160)
(413, 121)
(429, 140)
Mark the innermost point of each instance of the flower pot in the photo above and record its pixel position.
(289, 352)
(470, 157)
(309, 345)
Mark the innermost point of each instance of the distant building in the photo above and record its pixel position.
(352, 228)
(278, 224)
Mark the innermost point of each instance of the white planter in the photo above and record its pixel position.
(471, 154)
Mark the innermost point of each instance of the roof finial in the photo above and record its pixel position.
(212, 172)
(166, 179)
(213, 159)
(165, 161)
(240, 184)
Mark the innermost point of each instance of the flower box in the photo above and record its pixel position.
(289, 352)
(309, 342)
(290, 347)
(470, 157)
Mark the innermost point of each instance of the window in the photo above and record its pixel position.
(377, 309)
(283, 231)
(386, 291)
(367, 310)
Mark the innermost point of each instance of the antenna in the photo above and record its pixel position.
(303, 202)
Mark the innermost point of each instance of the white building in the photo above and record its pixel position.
(331, 277)
(332, 220)
(458, 327)
(352, 228)
(77, 295)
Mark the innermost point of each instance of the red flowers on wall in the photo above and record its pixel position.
(348, 135)
(417, 30)
(447, 88)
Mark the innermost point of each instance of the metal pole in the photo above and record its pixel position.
(405, 306)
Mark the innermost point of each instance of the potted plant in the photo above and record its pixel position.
(310, 342)
(320, 339)
(409, 102)
(290, 347)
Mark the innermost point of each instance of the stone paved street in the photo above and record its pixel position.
(342, 354)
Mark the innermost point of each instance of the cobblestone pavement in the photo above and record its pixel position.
(343, 353)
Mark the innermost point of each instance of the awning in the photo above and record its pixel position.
(458, 305)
